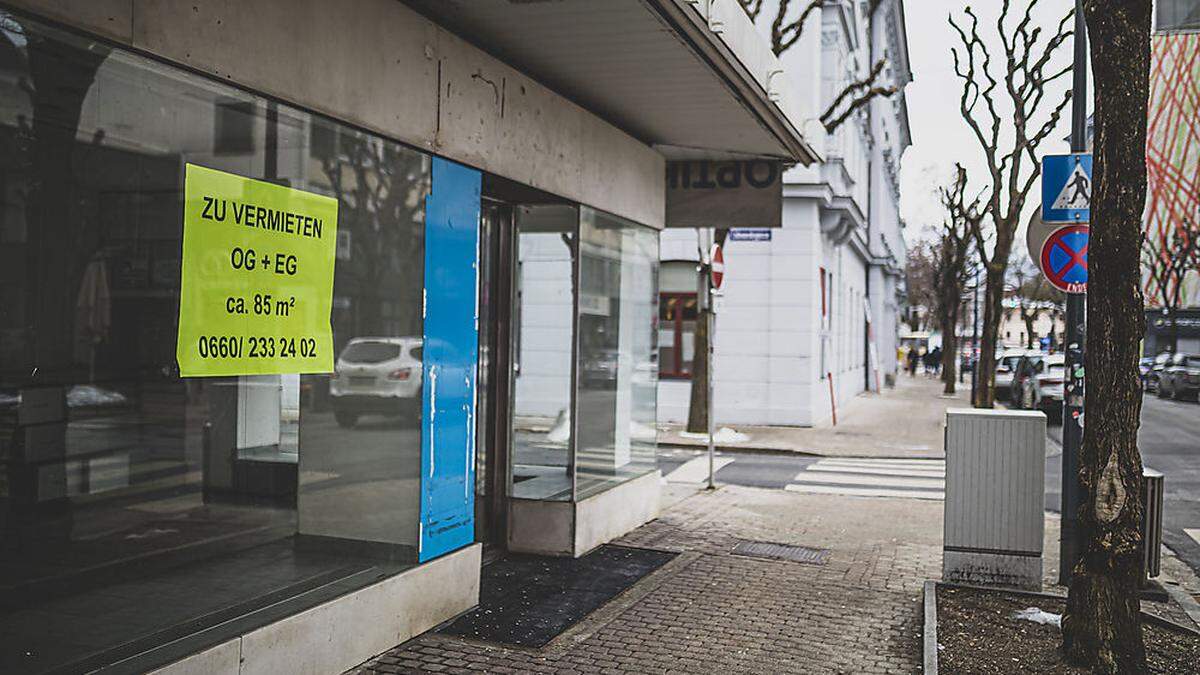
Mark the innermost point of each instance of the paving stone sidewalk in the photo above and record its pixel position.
(902, 422)
(710, 610)
(713, 611)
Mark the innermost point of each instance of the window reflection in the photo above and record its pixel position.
(133, 500)
(543, 310)
(618, 370)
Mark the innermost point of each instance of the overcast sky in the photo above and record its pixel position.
(940, 135)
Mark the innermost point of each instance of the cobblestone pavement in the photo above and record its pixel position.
(712, 611)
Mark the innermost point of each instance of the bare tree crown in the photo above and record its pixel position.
(1022, 79)
(786, 29)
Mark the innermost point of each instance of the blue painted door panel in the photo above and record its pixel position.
(450, 357)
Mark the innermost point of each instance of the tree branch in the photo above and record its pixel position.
(786, 33)
(868, 92)
(753, 7)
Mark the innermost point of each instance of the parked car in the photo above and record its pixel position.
(1046, 388)
(1006, 364)
(1156, 370)
(1028, 366)
(1180, 377)
(380, 375)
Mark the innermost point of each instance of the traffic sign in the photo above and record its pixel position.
(1036, 235)
(717, 265)
(1064, 258)
(1067, 188)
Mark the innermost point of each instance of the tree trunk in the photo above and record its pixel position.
(949, 351)
(1029, 336)
(1102, 628)
(698, 404)
(1172, 331)
(993, 309)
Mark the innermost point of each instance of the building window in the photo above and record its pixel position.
(1177, 15)
(676, 334)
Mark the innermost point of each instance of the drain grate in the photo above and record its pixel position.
(766, 549)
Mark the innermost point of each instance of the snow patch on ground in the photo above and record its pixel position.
(722, 435)
(1036, 615)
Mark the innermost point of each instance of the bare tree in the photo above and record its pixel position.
(920, 283)
(1102, 628)
(954, 253)
(1034, 297)
(787, 27)
(1009, 140)
(1168, 261)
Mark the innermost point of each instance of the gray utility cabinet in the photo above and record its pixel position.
(995, 494)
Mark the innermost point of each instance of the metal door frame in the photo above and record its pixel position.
(495, 428)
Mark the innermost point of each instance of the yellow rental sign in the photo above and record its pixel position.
(257, 277)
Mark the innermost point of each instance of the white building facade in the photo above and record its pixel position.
(811, 310)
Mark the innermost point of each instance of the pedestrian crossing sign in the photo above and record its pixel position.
(1067, 188)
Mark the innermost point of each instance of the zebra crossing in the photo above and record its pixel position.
(861, 477)
(909, 478)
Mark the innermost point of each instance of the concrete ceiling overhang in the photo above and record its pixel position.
(657, 69)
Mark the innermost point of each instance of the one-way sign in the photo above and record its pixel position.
(1067, 188)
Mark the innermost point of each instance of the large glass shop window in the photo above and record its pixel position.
(542, 311)
(617, 366)
(133, 501)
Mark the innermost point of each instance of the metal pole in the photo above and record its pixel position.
(708, 289)
(1076, 318)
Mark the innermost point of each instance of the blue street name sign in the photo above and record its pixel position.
(750, 234)
(1067, 188)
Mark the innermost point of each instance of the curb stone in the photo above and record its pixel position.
(929, 634)
(1185, 600)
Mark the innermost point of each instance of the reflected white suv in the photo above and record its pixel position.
(1006, 366)
(377, 375)
(1044, 389)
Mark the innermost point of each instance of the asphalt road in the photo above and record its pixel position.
(1170, 442)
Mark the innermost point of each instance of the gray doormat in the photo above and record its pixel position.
(529, 600)
(766, 549)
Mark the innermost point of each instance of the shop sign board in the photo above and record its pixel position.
(256, 280)
(736, 193)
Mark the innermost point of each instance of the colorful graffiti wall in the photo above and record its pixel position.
(1173, 145)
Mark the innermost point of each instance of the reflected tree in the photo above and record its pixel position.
(380, 188)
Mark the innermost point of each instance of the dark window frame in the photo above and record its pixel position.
(675, 369)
